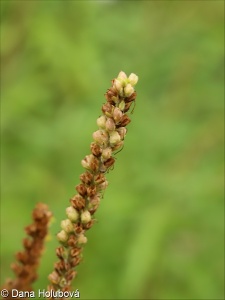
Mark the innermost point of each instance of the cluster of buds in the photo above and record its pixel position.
(25, 268)
(80, 214)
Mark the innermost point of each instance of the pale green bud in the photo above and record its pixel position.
(67, 226)
(117, 84)
(114, 138)
(133, 79)
(62, 236)
(128, 90)
(101, 122)
(72, 214)
(122, 105)
(81, 239)
(122, 76)
(85, 217)
(106, 153)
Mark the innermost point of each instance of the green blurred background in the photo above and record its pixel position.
(159, 233)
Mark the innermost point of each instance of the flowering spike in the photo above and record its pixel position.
(80, 215)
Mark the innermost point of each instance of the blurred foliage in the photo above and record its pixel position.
(160, 229)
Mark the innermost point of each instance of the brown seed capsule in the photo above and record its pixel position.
(75, 261)
(89, 224)
(27, 243)
(78, 228)
(127, 106)
(132, 97)
(96, 149)
(107, 109)
(59, 266)
(75, 251)
(78, 202)
(94, 165)
(81, 189)
(22, 257)
(71, 275)
(91, 191)
(124, 120)
(60, 252)
(98, 179)
(108, 163)
(54, 277)
(72, 241)
(86, 178)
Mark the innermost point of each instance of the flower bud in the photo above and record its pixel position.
(86, 161)
(117, 84)
(96, 149)
(122, 76)
(117, 114)
(106, 153)
(72, 214)
(115, 99)
(85, 217)
(110, 124)
(81, 239)
(114, 138)
(101, 122)
(100, 137)
(67, 226)
(122, 132)
(133, 79)
(62, 236)
(128, 90)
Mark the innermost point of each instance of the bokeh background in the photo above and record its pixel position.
(160, 229)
